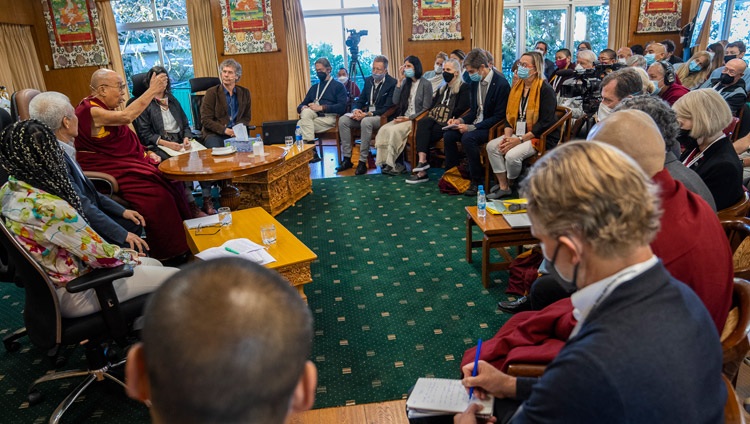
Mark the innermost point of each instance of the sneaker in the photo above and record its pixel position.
(499, 193)
(399, 168)
(345, 164)
(421, 166)
(471, 191)
(316, 157)
(361, 168)
(494, 188)
(416, 179)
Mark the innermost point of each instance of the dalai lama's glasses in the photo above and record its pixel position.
(121, 87)
(207, 230)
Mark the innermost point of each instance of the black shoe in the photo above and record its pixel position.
(345, 164)
(471, 191)
(315, 158)
(421, 166)
(519, 305)
(361, 168)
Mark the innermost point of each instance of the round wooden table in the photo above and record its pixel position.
(203, 166)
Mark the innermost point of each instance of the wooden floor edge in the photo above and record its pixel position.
(389, 412)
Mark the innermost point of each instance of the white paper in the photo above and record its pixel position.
(450, 127)
(240, 132)
(518, 220)
(443, 395)
(194, 147)
(203, 222)
(245, 249)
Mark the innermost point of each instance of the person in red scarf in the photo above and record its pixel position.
(105, 143)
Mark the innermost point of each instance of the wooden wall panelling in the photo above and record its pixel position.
(642, 39)
(266, 75)
(426, 50)
(16, 12)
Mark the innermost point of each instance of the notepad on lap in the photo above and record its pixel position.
(442, 396)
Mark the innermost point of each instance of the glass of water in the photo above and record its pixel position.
(268, 234)
(288, 142)
(225, 216)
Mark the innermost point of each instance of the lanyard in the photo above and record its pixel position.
(522, 107)
(318, 95)
(374, 94)
(695, 156)
(480, 100)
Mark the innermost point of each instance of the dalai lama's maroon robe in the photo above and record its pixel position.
(117, 151)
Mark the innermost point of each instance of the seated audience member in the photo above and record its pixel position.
(666, 121)
(734, 50)
(636, 60)
(742, 147)
(225, 106)
(549, 66)
(596, 230)
(43, 211)
(435, 76)
(108, 218)
(583, 45)
(450, 102)
(164, 123)
(716, 51)
(623, 53)
(607, 57)
(489, 96)
(211, 335)
(374, 101)
(671, 58)
(665, 82)
(585, 61)
(106, 144)
(696, 71)
(703, 115)
(731, 86)
(352, 89)
(617, 86)
(323, 103)
(530, 112)
(413, 94)
(648, 85)
(565, 69)
(637, 49)
(655, 52)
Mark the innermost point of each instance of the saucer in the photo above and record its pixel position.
(223, 151)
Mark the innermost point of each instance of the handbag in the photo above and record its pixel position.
(441, 112)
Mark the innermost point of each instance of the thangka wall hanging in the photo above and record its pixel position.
(660, 16)
(74, 35)
(436, 20)
(248, 26)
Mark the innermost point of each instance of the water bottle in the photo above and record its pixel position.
(298, 137)
(481, 203)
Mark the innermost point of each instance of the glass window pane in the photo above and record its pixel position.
(178, 57)
(171, 9)
(324, 39)
(717, 21)
(548, 25)
(320, 4)
(129, 11)
(510, 42)
(139, 51)
(592, 25)
(741, 23)
(360, 3)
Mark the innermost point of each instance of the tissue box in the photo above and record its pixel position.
(241, 146)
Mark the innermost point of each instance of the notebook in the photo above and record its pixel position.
(441, 396)
(518, 220)
(275, 131)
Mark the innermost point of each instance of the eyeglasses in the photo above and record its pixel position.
(121, 87)
(207, 230)
(731, 72)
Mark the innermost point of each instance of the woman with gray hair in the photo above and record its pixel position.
(703, 114)
(595, 212)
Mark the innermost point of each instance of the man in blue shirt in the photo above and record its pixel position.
(225, 106)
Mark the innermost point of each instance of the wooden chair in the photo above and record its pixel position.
(19, 103)
(526, 370)
(733, 411)
(737, 230)
(356, 132)
(734, 342)
(738, 210)
(729, 131)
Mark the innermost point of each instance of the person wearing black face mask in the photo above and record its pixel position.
(731, 86)
(323, 103)
(450, 101)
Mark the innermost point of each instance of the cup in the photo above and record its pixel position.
(288, 142)
(225, 216)
(268, 234)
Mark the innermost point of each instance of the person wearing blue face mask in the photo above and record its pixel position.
(696, 71)
(655, 52)
(735, 50)
(489, 92)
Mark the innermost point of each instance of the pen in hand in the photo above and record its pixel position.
(476, 362)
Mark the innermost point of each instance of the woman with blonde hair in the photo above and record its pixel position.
(703, 114)
(530, 112)
(696, 71)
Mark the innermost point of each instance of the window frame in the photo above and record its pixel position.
(155, 25)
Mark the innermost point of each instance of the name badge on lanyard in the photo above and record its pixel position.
(520, 127)
(521, 122)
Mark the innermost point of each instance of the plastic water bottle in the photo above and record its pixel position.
(481, 203)
(298, 137)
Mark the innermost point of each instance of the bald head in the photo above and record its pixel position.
(636, 134)
(102, 76)
(658, 49)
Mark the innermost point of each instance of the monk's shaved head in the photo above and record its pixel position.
(635, 133)
(101, 76)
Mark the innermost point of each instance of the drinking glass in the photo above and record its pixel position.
(288, 142)
(268, 234)
(225, 216)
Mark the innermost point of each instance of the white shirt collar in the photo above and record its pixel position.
(488, 78)
(587, 298)
(67, 148)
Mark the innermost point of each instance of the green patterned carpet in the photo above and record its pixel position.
(392, 296)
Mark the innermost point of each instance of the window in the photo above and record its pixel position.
(329, 25)
(559, 23)
(155, 32)
(731, 21)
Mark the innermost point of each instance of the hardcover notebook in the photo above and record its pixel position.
(442, 396)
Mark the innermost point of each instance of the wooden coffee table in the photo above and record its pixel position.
(496, 234)
(293, 258)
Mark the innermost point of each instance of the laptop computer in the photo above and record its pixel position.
(275, 131)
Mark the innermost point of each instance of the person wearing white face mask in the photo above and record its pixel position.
(435, 76)
(615, 87)
(352, 89)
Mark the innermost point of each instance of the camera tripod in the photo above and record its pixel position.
(353, 65)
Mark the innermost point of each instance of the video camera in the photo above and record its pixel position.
(587, 86)
(352, 41)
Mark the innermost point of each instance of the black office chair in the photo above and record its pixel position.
(197, 88)
(48, 330)
(139, 87)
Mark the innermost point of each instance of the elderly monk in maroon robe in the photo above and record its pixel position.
(105, 143)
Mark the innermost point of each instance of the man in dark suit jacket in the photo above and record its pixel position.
(473, 130)
(225, 106)
(549, 66)
(375, 100)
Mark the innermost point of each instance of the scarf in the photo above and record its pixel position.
(532, 107)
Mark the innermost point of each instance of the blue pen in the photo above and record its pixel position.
(476, 362)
